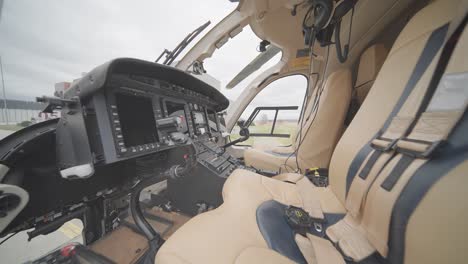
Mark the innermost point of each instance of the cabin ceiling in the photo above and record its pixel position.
(272, 20)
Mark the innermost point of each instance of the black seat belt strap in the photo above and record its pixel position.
(370, 163)
(430, 50)
(409, 154)
(395, 174)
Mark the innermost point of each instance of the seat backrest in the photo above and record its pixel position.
(320, 138)
(323, 127)
(370, 63)
(385, 95)
(421, 216)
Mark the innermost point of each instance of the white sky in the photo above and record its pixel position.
(49, 41)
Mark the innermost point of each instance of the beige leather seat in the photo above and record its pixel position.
(370, 63)
(318, 144)
(424, 222)
(279, 149)
(328, 126)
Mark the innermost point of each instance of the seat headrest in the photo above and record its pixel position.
(371, 62)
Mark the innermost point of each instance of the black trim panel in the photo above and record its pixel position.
(100, 76)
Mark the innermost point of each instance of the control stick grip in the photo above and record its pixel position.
(244, 133)
(179, 171)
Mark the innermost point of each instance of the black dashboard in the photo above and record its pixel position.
(129, 108)
(125, 122)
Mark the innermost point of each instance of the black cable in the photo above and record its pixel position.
(343, 54)
(314, 111)
(350, 26)
(307, 30)
(317, 96)
(305, 103)
(300, 130)
(294, 11)
(307, 16)
(10, 236)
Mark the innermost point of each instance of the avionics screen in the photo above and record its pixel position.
(177, 109)
(212, 121)
(136, 119)
(198, 118)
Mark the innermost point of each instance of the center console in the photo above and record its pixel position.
(215, 159)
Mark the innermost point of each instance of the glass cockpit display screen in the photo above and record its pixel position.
(212, 122)
(199, 118)
(177, 109)
(136, 119)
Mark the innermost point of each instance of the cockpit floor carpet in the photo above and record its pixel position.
(165, 223)
(127, 245)
(123, 245)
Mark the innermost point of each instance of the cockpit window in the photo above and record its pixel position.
(269, 121)
(234, 56)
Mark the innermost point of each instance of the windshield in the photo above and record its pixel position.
(231, 58)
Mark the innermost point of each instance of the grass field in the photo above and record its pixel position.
(10, 127)
(282, 127)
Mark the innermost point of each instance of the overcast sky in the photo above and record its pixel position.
(49, 41)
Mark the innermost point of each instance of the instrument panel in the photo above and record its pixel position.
(154, 115)
(132, 108)
(124, 122)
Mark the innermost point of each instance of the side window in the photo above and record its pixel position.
(18, 114)
(277, 108)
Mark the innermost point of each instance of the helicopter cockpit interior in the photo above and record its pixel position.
(375, 172)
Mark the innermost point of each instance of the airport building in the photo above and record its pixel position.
(17, 111)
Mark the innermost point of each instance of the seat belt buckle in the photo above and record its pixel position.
(416, 148)
(298, 219)
(383, 144)
(318, 176)
(301, 222)
(312, 171)
(318, 227)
